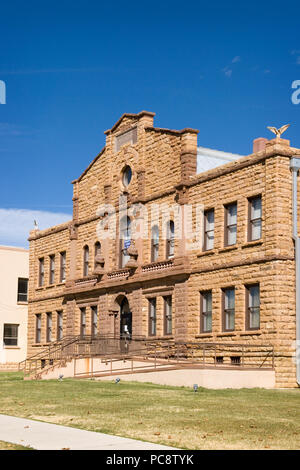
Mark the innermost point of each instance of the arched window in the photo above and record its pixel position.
(154, 243)
(97, 251)
(86, 260)
(125, 240)
(170, 239)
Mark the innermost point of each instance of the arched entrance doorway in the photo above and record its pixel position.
(125, 319)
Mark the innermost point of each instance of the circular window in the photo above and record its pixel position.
(127, 175)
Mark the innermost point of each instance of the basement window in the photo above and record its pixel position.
(235, 360)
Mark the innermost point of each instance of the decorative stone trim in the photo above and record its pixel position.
(85, 281)
(119, 274)
(158, 266)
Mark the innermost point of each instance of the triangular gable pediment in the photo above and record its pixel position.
(126, 121)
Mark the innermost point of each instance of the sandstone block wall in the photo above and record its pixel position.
(163, 169)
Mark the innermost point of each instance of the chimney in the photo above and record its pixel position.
(259, 144)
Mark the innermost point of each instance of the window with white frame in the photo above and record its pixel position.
(253, 307)
(49, 327)
(62, 266)
(59, 325)
(94, 313)
(255, 218)
(152, 316)
(229, 309)
(168, 315)
(230, 224)
(52, 269)
(206, 312)
(209, 229)
(154, 243)
(86, 255)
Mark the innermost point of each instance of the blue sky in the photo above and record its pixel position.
(72, 68)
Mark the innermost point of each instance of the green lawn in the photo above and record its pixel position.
(9, 446)
(179, 417)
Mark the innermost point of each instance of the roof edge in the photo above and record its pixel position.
(130, 115)
(186, 130)
(90, 165)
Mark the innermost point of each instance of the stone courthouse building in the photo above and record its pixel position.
(172, 241)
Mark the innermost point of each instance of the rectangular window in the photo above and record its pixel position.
(94, 312)
(152, 317)
(62, 266)
(41, 271)
(168, 315)
(253, 307)
(83, 321)
(228, 309)
(206, 312)
(51, 269)
(170, 240)
(10, 335)
(38, 328)
(255, 218)
(154, 243)
(49, 328)
(59, 326)
(230, 224)
(86, 254)
(209, 228)
(22, 289)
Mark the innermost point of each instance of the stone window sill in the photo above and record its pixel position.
(228, 248)
(12, 347)
(22, 303)
(204, 335)
(207, 253)
(252, 243)
(50, 286)
(250, 332)
(156, 337)
(227, 333)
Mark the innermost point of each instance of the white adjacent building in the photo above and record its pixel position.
(13, 306)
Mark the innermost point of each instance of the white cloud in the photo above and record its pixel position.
(236, 59)
(15, 224)
(227, 72)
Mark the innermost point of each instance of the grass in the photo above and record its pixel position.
(9, 446)
(179, 417)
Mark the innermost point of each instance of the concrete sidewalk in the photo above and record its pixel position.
(46, 436)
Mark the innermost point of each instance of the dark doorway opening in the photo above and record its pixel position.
(125, 320)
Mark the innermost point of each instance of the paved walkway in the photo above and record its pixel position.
(46, 436)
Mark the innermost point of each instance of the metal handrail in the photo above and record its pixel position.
(183, 352)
